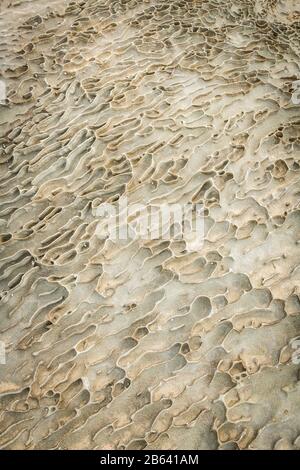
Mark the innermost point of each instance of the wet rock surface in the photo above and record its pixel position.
(138, 344)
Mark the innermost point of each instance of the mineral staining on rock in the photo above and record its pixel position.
(143, 344)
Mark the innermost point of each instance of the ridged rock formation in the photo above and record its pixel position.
(138, 344)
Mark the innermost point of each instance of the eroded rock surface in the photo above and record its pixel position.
(143, 344)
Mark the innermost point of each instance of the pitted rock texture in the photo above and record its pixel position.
(143, 344)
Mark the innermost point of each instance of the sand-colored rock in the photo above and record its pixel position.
(135, 344)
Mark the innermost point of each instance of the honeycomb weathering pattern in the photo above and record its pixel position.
(143, 344)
